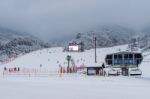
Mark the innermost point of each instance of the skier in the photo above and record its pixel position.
(5, 69)
(15, 69)
(103, 65)
(18, 69)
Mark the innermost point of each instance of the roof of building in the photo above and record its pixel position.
(94, 65)
(126, 52)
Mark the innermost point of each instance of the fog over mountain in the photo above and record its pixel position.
(58, 22)
(61, 19)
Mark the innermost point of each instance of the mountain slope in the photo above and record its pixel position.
(106, 36)
(144, 39)
(13, 43)
(110, 35)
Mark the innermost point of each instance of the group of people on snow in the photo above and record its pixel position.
(15, 69)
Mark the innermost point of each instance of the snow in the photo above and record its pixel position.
(145, 66)
(74, 87)
(71, 86)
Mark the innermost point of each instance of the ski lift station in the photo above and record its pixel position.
(124, 60)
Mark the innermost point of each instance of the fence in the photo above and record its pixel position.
(31, 72)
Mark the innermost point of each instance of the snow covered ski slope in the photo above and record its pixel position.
(53, 57)
(71, 86)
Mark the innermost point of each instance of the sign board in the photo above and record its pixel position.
(126, 62)
(74, 48)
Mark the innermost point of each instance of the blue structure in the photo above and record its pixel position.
(124, 59)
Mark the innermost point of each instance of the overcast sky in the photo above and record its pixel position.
(51, 19)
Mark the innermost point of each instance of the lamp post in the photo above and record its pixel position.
(68, 59)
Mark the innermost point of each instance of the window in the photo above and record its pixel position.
(130, 56)
(125, 56)
(109, 57)
(138, 56)
(120, 56)
(115, 56)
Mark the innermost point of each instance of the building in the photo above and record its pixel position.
(124, 60)
(94, 70)
(76, 47)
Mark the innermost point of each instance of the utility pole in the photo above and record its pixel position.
(95, 50)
